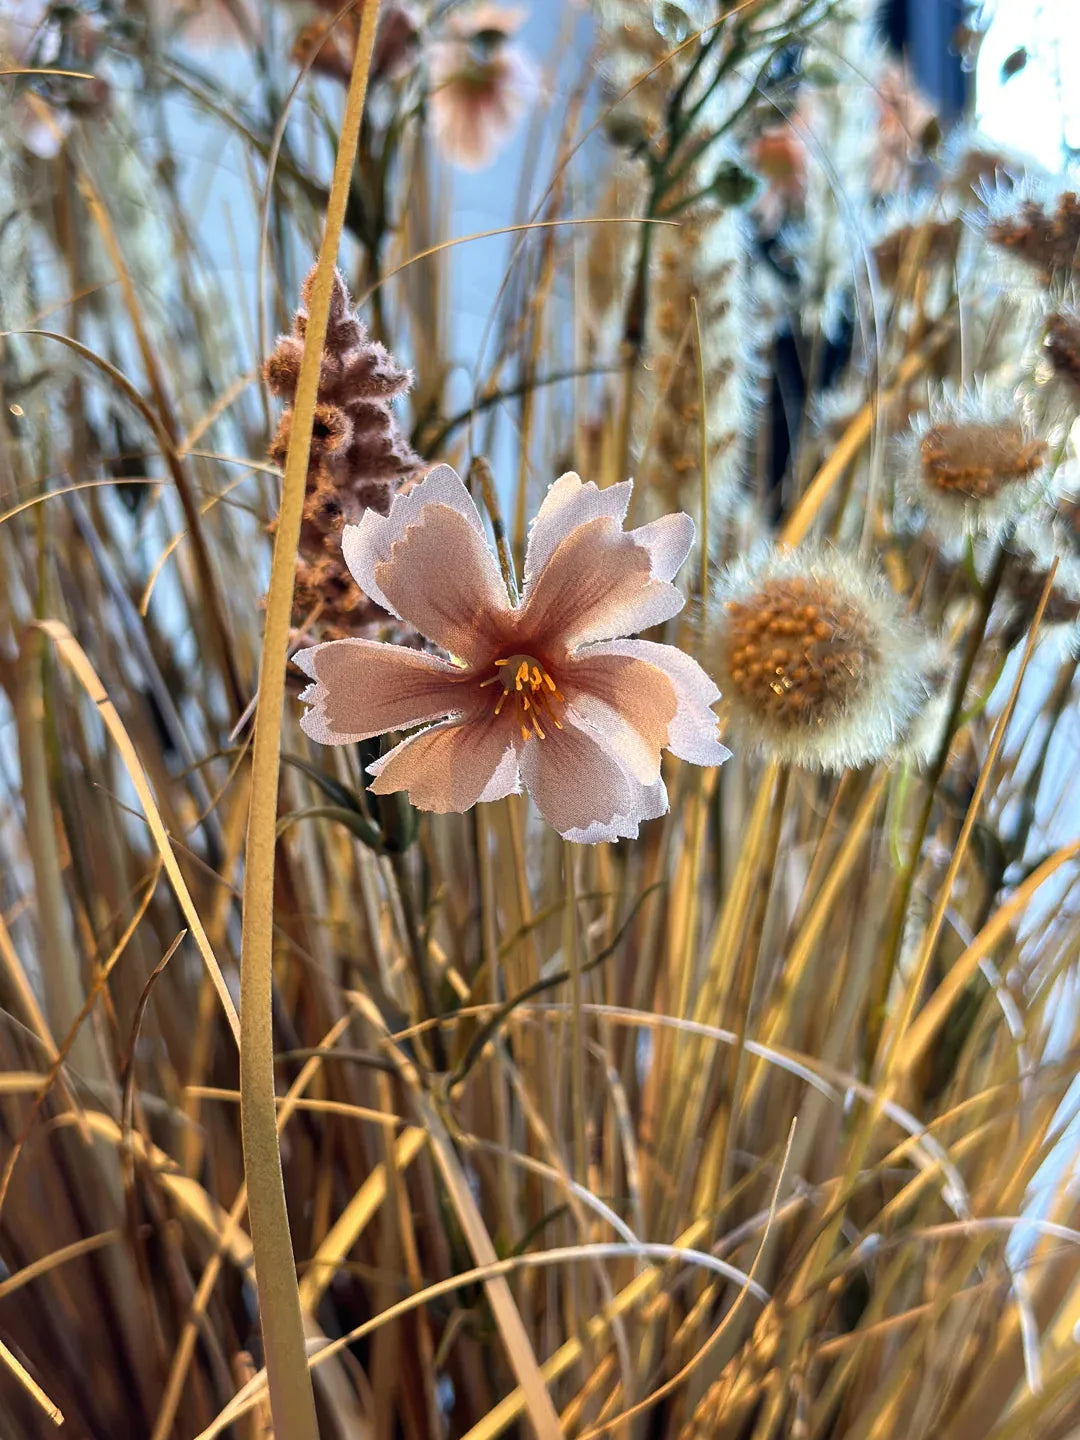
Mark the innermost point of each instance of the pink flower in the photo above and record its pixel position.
(481, 84)
(904, 120)
(545, 691)
(778, 154)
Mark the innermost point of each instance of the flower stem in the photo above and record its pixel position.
(292, 1401)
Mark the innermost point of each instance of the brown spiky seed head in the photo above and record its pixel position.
(1047, 239)
(798, 650)
(331, 431)
(1062, 344)
(920, 246)
(977, 461)
(282, 368)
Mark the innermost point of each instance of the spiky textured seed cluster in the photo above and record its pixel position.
(1046, 239)
(357, 460)
(923, 246)
(798, 650)
(978, 461)
(1063, 348)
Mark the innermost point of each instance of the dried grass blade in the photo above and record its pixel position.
(352, 1222)
(31, 1386)
(73, 655)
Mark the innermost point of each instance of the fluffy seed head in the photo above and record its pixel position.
(798, 650)
(1038, 547)
(1038, 225)
(973, 464)
(1062, 346)
(816, 659)
(978, 461)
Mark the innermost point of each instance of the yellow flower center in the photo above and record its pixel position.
(529, 686)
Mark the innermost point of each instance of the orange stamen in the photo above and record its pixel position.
(533, 689)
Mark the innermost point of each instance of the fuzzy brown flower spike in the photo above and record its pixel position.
(358, 455)
(1042, 232)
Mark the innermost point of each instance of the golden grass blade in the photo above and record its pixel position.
(291, 1398)
(73, 655)
(22, 1082)
(32, 1011)
(353, 1220)
(321, 1350)
(189, 1195)
(185, 1346)
(60, 490)
(530, 1377)
(30, 1385)
(48, 1263)
(934, 1013)
(855, 437)
(510, 230)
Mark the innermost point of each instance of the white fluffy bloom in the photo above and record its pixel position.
(817, 660)
(1036, 546)
(1032, 230)
(973, 464)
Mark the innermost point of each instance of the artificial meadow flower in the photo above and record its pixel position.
(544, 692)
(481, 84)
(819, 664)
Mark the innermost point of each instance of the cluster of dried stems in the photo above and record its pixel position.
(758, 1126)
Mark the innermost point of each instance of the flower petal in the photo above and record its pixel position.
(568, 504)
(668, 541)
(692, 733)
(597, 585)
(443, 579)
(628, 701)
(369, 543)
(648, 802)
(574, 781)
(449, 767)
(363, 687)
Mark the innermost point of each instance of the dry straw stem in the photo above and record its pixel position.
(166, 428)
(515, 1337)
(232, 1228)
(29, 1384)
(798, 523)
(897, 1055)
(291, 1399)
(73, 655)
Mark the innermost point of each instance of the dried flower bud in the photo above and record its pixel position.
(282, 368)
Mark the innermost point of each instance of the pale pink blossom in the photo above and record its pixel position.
(481, 84)
(904, 119)
(544, 692)
(206, 24)
(778, 154)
